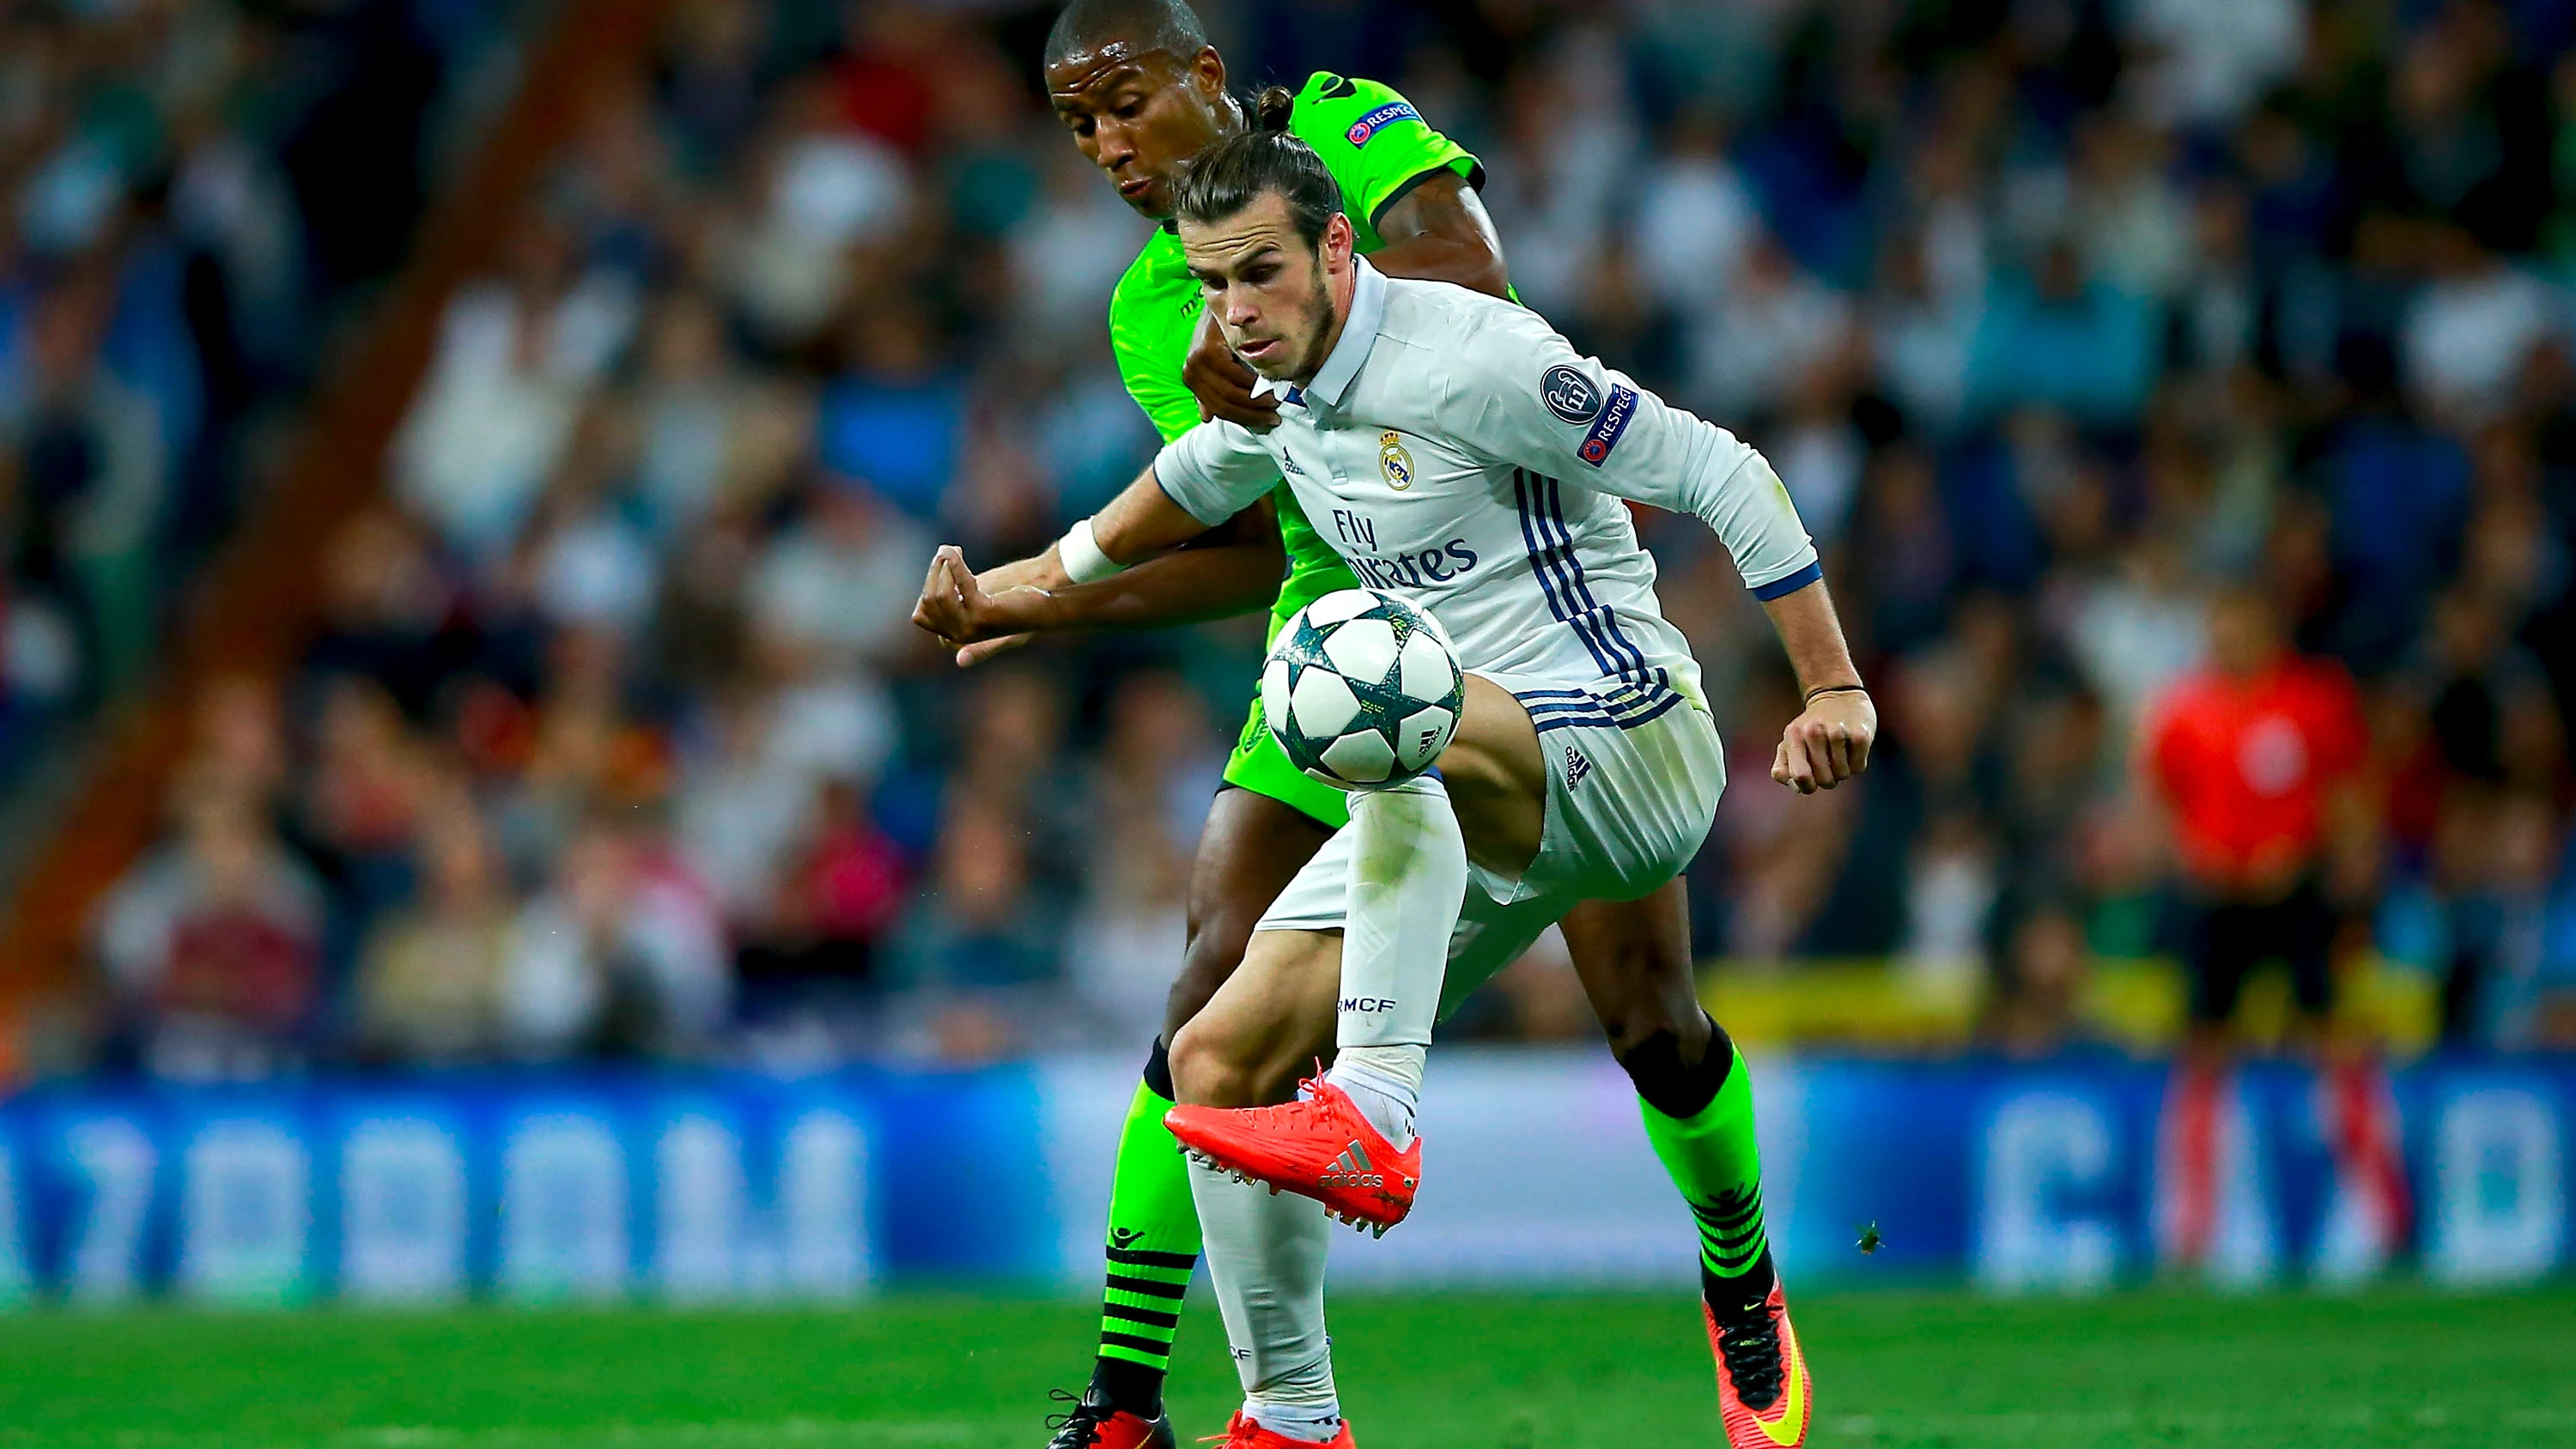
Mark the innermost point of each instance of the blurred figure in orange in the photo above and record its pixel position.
(2259, 762)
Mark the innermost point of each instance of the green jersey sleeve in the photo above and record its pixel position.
(1153, 316)
(1375, 143)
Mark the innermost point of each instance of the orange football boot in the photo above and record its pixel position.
(1092, 1424)
(1320, 1146)
(1764, 1395)
(1242, 1433)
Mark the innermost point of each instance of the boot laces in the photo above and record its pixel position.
(1308, 1106)
(1079, 1426)
(1751, 1349)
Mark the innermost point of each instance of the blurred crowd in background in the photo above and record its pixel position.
(2081, 333)
(189, 193)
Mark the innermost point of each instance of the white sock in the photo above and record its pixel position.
(1265, 1257)
(1385, 1083)
(1310, 1423)
(1408, 880)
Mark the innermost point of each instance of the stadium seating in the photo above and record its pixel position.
(561, 590)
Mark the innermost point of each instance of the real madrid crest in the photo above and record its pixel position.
(1394, 461)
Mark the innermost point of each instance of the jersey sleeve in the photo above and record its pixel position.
(1374, 142)
(1147, 366)
(1518, 393)
(1215, 470)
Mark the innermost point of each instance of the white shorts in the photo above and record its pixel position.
(1633, 779)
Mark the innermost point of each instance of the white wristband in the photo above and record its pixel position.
(1080, 554)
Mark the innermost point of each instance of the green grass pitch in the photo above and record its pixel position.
(1460, 1372)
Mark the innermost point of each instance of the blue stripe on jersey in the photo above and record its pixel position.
(1629, 704)
(1606, 619)
(1534, 534)
(1604, 688)
(1547, 583)
(1781, 587)
(1610, 689)
(1543, 724)
(1613, 698)
(1619, 706)
(1603, 621)
(1558, 552)
(1529, 539)
(1581, 612)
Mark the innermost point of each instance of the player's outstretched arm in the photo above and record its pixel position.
(1140, 524)
(1232, 569)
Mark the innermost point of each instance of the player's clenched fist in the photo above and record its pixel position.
(979, 617)
(1828, 743)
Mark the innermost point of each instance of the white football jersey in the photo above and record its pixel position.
(1457, 452)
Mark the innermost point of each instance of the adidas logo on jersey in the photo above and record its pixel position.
(1576, 767)
(1352, 1169)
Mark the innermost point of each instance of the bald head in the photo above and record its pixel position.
(1138, 27)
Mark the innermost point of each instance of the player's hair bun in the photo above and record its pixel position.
(1270, 108)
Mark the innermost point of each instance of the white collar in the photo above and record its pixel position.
(1332, 381)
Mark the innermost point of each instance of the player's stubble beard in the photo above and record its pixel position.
(1318, 320)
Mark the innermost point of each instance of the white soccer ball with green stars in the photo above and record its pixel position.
(1362, 690)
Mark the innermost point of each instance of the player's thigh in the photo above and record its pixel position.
(1269, 1020)
(1252, 846)
(1634, 959)
(1496, 778)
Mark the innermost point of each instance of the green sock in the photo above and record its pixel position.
(1714, 1161)
(1153, 1245)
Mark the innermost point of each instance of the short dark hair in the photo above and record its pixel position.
(1169, 26)
(1232, 174)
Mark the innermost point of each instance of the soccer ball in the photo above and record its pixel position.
(1362, 690)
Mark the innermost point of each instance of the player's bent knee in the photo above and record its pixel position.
(1210, 1071)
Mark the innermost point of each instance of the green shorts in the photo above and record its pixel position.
(1260, 766)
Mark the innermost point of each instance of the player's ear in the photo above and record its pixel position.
(1339, 243)
(1207, 72)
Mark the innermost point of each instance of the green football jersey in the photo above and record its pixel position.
(1378, 147)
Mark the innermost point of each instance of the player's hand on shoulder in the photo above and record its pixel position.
(978, 617)
(1829, 742)
(1222, 382)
